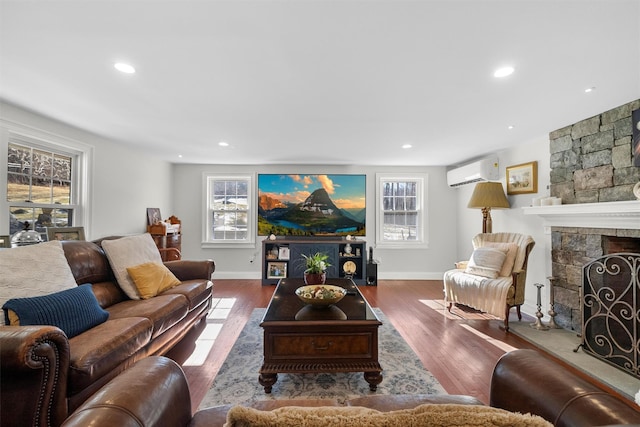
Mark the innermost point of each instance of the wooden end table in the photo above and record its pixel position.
(302, 339)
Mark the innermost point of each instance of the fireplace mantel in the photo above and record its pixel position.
(620, 215)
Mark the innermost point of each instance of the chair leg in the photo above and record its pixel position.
(519, 314)
(506, 318)
(449, 308)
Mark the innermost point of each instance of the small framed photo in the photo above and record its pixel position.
(283, 252)
(5, 241)
(276, 270)
(522, 179)
(65, 233)
(153, 216)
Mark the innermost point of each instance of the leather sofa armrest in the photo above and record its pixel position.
(527, 381)
(34, 367)
(153, 392)
(192, 270)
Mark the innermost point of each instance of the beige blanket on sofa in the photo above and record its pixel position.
(428, 415)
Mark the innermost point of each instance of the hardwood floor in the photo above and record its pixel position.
(461, 354)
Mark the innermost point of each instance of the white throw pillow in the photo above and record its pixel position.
(511, 249)
(32, 271)
(128, 252)
(486, 262)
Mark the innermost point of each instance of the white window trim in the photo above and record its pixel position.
(250, 242)
(81, 174)
(422, 241)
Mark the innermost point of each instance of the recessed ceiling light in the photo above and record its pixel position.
(406, 146)
(503, 72)
(590, 89)
(124, 68)
(223, 144)
(510, 127)
(179, 156)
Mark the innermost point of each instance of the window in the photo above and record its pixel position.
(230, 215)
(401, 213)
(42, 186)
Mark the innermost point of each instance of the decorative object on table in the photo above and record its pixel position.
(538, 323)
(523, 178)
(26, 237)
(315, 268)
(487, 195)
(552, 312)
(5, 241)
(349, 268)
(277, 270)
(65, 233)
(320, 295)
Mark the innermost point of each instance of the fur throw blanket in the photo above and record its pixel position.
(427, 415)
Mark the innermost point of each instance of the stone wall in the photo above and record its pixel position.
(571, 249)
(591, 162)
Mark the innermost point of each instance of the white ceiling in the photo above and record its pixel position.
(320, 82)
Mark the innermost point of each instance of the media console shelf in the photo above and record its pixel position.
(282, 258)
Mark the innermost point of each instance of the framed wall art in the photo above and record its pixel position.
(65, 233)
(523, 178)
(276, 270)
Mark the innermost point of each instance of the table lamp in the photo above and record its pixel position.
(485, 196)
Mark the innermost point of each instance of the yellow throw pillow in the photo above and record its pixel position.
(152, 279)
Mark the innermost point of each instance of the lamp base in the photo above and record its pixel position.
(487, 224)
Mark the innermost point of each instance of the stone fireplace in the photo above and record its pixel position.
(592, 171)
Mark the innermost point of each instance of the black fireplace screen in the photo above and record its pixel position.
(610, 318)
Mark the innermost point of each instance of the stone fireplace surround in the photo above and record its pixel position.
(577, 238)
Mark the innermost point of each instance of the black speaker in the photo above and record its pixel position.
(372, 274)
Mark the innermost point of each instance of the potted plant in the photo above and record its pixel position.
(316, 266)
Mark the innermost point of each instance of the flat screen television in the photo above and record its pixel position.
(311, 205)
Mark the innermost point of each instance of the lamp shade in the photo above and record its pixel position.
(488, 195)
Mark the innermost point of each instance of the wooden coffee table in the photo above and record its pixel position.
(302, 339)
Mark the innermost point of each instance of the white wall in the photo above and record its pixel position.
(123, 181)
(513, 219)
(395, 264)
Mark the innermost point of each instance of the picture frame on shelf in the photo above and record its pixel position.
(522, 178)
(5, 241)
(283, 253)
(65, 233)
(276, 270)
(153, 216)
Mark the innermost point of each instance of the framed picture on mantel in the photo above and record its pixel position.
(523, 178)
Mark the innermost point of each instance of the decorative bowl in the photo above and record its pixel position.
(320, 295)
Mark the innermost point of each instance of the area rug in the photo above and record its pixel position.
(237, 380)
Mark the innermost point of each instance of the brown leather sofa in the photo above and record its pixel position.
(155, 393)
(526, 381)
(44, 376)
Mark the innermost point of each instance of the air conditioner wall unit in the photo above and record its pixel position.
(482, 170)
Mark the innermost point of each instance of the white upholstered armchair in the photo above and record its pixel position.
(493, 279)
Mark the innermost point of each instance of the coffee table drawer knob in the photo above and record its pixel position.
(321, 347)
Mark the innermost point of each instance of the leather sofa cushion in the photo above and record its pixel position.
(196, 291)
(103, 348)
(163, 311)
